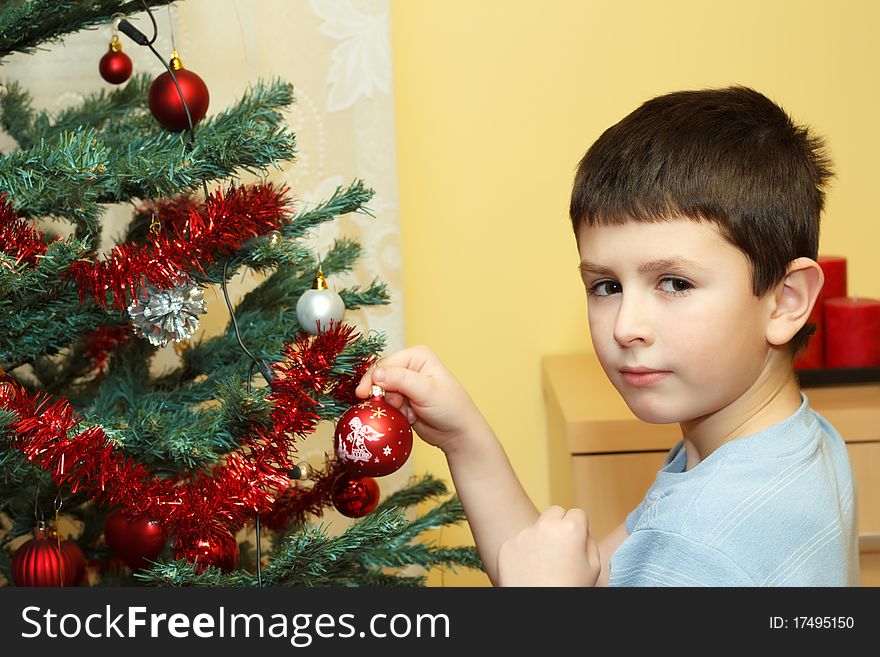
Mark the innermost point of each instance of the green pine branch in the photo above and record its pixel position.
(24, 26)
(70, 173)
(353, 199)
(109, 111)
(46, 328)
(371, 552)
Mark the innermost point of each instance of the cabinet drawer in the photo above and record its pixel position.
(609, 486)
(865, 460)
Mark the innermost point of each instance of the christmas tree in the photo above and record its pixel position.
(158, 473)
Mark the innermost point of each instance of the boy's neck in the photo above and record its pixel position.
(771, 400)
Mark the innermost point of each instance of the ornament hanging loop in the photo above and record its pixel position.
(38, 512)
(59, 502)
(115, 43)
(114, 22)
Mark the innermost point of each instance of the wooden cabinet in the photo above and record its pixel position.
(603, 459)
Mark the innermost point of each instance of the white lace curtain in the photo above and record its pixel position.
(337, 54)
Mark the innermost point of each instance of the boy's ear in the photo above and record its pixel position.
(793, 299)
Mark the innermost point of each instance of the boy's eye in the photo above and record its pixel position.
(603, 288)
(676, 285)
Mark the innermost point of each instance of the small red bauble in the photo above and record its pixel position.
(39, 562)
(165, 103)
(76, 559)
(373, 438)
(137, 542)
(219, 550)
(115, 65)
(354, 496)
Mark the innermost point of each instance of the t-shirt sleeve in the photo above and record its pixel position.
(650, 557)
(633, 516)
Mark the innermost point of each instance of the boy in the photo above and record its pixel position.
(697, 224)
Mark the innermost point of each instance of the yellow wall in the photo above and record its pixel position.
(496, 101)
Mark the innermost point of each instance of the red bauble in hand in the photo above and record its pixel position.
(373, 438)
(218, 549)
(39, 562)
(136, 541)
(115, 65)
(165, 103)
(354, 496)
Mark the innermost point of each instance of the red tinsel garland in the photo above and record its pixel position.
(18, 238)
(248, 482)
(296, 504)
(101, 343)
(190, 239)
(192, 236)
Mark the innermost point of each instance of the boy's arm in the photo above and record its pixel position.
(443, 414)
(496, 505)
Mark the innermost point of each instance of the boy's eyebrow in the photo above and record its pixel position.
(674, 262)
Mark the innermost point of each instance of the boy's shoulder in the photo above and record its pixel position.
(800, 466)
(776, 504)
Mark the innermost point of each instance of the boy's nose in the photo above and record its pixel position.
(631, 325)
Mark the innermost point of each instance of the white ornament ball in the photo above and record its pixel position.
(319, 306)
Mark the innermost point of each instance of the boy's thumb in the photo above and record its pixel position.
(400, 379)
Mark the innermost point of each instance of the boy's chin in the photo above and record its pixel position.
(653, 410)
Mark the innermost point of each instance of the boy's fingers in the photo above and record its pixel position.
(363, 386)
(593, 551)
(554, 513)
(578, 516)
(405, 381)
(413, 358)
(395, 399)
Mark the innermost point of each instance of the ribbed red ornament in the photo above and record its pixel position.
(373, 438)
(219, 550)
(165, 103)
(354, 496)
(136, 541)
(39, 562)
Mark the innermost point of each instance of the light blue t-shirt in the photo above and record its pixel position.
(776, 508)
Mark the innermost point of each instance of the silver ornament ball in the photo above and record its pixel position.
(319, 306)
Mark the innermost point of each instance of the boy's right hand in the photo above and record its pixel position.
(419, 385)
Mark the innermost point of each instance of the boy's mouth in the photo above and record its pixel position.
(640, 377)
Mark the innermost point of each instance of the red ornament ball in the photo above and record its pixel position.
(373, 438)
(39, 562)
(115, 66)
(76, 559)
(219, 550)
(136, 541)
(354, 496)
(165, 103)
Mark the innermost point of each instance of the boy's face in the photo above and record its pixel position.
(674, 297)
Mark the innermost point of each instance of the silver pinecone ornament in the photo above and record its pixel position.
(163, 315)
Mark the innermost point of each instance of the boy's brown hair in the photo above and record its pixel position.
(730, 156)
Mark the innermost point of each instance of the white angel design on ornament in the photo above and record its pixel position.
(359, 433)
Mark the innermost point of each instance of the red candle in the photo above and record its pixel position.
(852, 332)
(813, 355)
(834, 268)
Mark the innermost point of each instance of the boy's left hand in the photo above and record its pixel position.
(556, 551)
